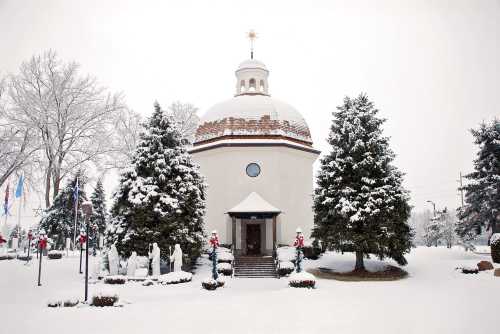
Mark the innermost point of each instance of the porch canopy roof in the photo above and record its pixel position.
(254, 205)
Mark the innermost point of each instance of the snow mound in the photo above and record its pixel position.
(495, 237)
(175, 277)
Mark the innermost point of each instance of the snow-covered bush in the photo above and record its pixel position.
(495, 247)
(175, 278)
(104, 298)
(7, 256)
(142, 262)
(69, 302)
(302, 280)
(468, 270)
(286, 254)
(209, 284)
(55, 254)
(225, 268)
(285, 268)
(225, 257)
(141, 272)
(220, 281)
(115, 279)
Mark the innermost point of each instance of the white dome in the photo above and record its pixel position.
(253, 115)
(252, 64)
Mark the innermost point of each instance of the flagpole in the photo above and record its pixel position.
(76, 214)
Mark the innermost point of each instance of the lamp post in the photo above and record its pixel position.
(30, 236)
(42, 244)
(434, 206)
(87, 211)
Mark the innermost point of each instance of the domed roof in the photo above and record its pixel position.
(252, 64)
(253, 115)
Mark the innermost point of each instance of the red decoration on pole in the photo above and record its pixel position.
(299, 241)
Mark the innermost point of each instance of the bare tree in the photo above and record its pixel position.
(17, 142)
(70, 114)
(127, 127)
(186, 118)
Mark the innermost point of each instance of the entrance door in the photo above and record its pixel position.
(253, 239)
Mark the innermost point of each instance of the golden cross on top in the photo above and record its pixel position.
(252, 35)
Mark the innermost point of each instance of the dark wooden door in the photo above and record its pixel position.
(253, 239)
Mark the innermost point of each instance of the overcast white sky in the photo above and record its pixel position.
(431, 67)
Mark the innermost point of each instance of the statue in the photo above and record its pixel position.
(155, 257)
(114, 261)
(177, 258)
(132, 264)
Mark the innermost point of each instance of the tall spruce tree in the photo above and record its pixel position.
(161, 197)
(99, 214)
(359, 202)
(482, 193)
(59, 219)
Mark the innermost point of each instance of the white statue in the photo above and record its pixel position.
(114, 261)
(132, 264)
(97, 269)
(177, 258)
(15, 243)
(155, 256)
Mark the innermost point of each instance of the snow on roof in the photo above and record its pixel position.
(251, 64)
(252, 141)
(254, 203)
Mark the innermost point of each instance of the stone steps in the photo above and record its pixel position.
(254, 267)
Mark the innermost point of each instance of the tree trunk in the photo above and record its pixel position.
(56, 180)
(48, 174)
(360, 265)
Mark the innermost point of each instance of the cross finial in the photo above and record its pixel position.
(252, 35)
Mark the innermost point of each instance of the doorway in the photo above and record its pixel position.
(253, 239)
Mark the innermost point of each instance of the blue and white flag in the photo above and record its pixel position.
(19, 188)
(75, 191)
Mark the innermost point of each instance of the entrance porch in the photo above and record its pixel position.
(254, 226)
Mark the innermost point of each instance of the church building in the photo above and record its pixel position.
(257, 156)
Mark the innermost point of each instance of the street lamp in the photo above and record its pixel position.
(87, 211)
(42, 244)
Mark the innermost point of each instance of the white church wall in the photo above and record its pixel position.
(285, 181)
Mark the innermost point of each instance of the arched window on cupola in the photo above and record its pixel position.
(242, 86)
(262, 86)
(252, 85)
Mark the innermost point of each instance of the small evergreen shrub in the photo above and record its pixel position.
(225, 257)
(175, 277)
(225, 268)
(54, 303)
(220, 281)
(115, 279)
(302, 280)
(103, 299)
(24, 257)
(285, 268)
(55, 255)
(209, 284)
(7, 256)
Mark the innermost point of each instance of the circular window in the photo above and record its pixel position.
(253, 169)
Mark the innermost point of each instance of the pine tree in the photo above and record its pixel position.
(161, 197)
(59, 219)
(99, 215)
(482, 193)
(359, 202)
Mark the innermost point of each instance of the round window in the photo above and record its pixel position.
(253, 169)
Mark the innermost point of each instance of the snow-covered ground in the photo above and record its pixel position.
(434, 299)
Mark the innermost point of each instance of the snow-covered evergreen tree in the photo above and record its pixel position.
(99, 214)
(161, 197)
(482, 193)
(59, 219)
(359, 202)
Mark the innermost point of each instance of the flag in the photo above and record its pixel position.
(75, 191)
(6, 203)
(19, 188)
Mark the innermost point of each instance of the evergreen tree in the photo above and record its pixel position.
(359, 202)
(161, 197)
(99, 215)
(482, 193)
(59, 219)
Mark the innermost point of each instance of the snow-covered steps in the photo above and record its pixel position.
(254, 266)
